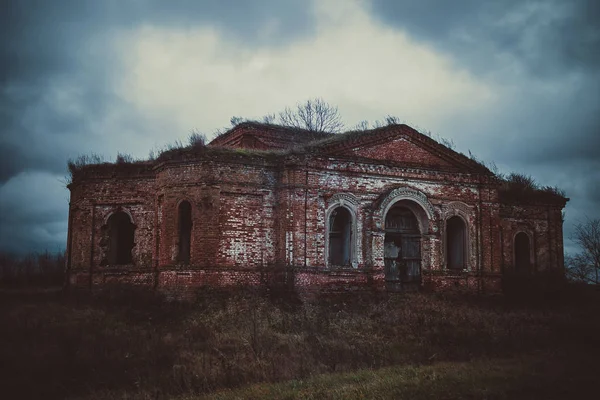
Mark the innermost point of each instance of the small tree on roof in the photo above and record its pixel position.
(315, 115)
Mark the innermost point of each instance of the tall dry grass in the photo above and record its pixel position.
(136, 343)
(32, 269)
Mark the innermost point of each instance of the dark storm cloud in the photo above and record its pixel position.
(33, 214)
(550, 52)
(57, 63)
(532, 45)
(45, 42)
(58, 66)
(548, 36)
(559, 127)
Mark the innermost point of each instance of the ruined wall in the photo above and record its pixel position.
(233, 227)
(258, 220)
(542, 223)
(321, 183)
(92, 202)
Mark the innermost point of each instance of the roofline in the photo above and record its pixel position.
(222, 138)
(380, 134)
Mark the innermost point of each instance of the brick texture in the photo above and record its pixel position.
(260, 206)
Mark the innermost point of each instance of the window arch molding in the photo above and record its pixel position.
(118, 210)
(457, 208)
(350, 203)
(420, 206)
(182, 201)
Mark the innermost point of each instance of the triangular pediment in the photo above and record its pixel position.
(402, 151)
(402, 145)
(256, 135)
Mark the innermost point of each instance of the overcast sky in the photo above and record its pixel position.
(516, 82)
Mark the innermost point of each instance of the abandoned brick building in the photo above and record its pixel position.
(386, 209)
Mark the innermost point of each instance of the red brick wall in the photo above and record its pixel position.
(401, 150)
(543, 225)
(257, 219)
(92, 202)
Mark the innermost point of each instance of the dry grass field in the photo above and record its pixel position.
(134, 345)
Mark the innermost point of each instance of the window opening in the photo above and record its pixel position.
(340, 237)
(522, 253)
(456, 234)
(402, 246)
(120, 232)
(185, 231)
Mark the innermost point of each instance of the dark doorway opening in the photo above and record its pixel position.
(120, 233)
(456, 239)
(340, 237)
(522, 253)
(185, 232)
(402, 248)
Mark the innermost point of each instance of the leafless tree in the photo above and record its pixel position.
(392, 120)
(587, 236)
(236, 120)
(578, 269)
(269, 119)
(315, 115)
(361, 126)
(388, 120)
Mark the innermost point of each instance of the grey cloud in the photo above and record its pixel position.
(49, 47)
(33, 213)
(546, 36)
(530, 45)
(10, 161)
(46, 44)
(593, 191)
(37, 237)
(549, 53)
(562, 128)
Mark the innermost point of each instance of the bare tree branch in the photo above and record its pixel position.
(587, 236)
(315, 115)
(579, 269)
(361, 126)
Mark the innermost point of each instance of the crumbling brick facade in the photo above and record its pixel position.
(386, 209)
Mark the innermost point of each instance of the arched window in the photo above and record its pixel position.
(340, 237)
(185, 231)
(456, 240)
(120, 243)
(522, 253)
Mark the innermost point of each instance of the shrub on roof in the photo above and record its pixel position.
(523, 188)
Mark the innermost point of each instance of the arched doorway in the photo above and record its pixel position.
(120, 243)
(522, 253)
(402, 247)
(340, 237)
(456, 239)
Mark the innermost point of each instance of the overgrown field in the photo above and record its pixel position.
(247, 345)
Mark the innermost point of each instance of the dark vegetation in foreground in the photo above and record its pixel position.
(32, 269)
(133, 344)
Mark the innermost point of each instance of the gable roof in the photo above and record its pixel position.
(266, 136)
(352, 144)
